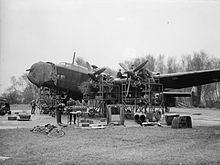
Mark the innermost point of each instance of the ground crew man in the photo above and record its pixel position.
(33, 106)
(119, 74)
(59, 109)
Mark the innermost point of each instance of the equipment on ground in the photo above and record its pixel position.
(115, 114)
(49, 130)
(4, 106)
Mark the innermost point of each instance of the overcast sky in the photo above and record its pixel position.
(103, 32)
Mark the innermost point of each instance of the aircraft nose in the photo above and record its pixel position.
(42, 74)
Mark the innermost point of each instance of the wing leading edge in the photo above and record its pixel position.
(189, 79)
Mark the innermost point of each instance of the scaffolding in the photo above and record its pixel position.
(46, 100)
(143, 96)
(135, 95)
(108, 92)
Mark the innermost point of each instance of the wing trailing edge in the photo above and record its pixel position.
(189, 79)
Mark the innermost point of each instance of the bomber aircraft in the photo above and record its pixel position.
(68, 77)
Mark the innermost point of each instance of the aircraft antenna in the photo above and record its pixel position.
(74, 55)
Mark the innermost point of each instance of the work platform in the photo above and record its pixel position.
(136, 96)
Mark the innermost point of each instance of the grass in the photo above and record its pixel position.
(113, 145)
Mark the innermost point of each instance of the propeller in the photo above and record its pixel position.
(123, 66)
(146, 73)
(139, 67)
(97, 71)
(93, 77)
(131, 73)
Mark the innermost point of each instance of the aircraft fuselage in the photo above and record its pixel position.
(63, 77)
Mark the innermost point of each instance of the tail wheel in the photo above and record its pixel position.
(56, 133)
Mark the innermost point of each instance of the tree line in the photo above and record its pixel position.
(23, 91)
(20, 91)
(207, 95)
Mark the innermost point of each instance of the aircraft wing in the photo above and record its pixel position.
(189, 79)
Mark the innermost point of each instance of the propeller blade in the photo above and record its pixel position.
(93, 77)
(129, 84)
(123, 66)
(140, 66)
(99, 71)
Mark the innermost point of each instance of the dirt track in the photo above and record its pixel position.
(116, 145)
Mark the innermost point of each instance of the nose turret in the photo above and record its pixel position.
(43, 74)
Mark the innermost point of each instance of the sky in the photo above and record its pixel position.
(103, 32)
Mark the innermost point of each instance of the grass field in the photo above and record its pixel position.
(113, 145)
(116, 145)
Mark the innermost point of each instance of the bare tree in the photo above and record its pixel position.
(160, 64)
(172, 66)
